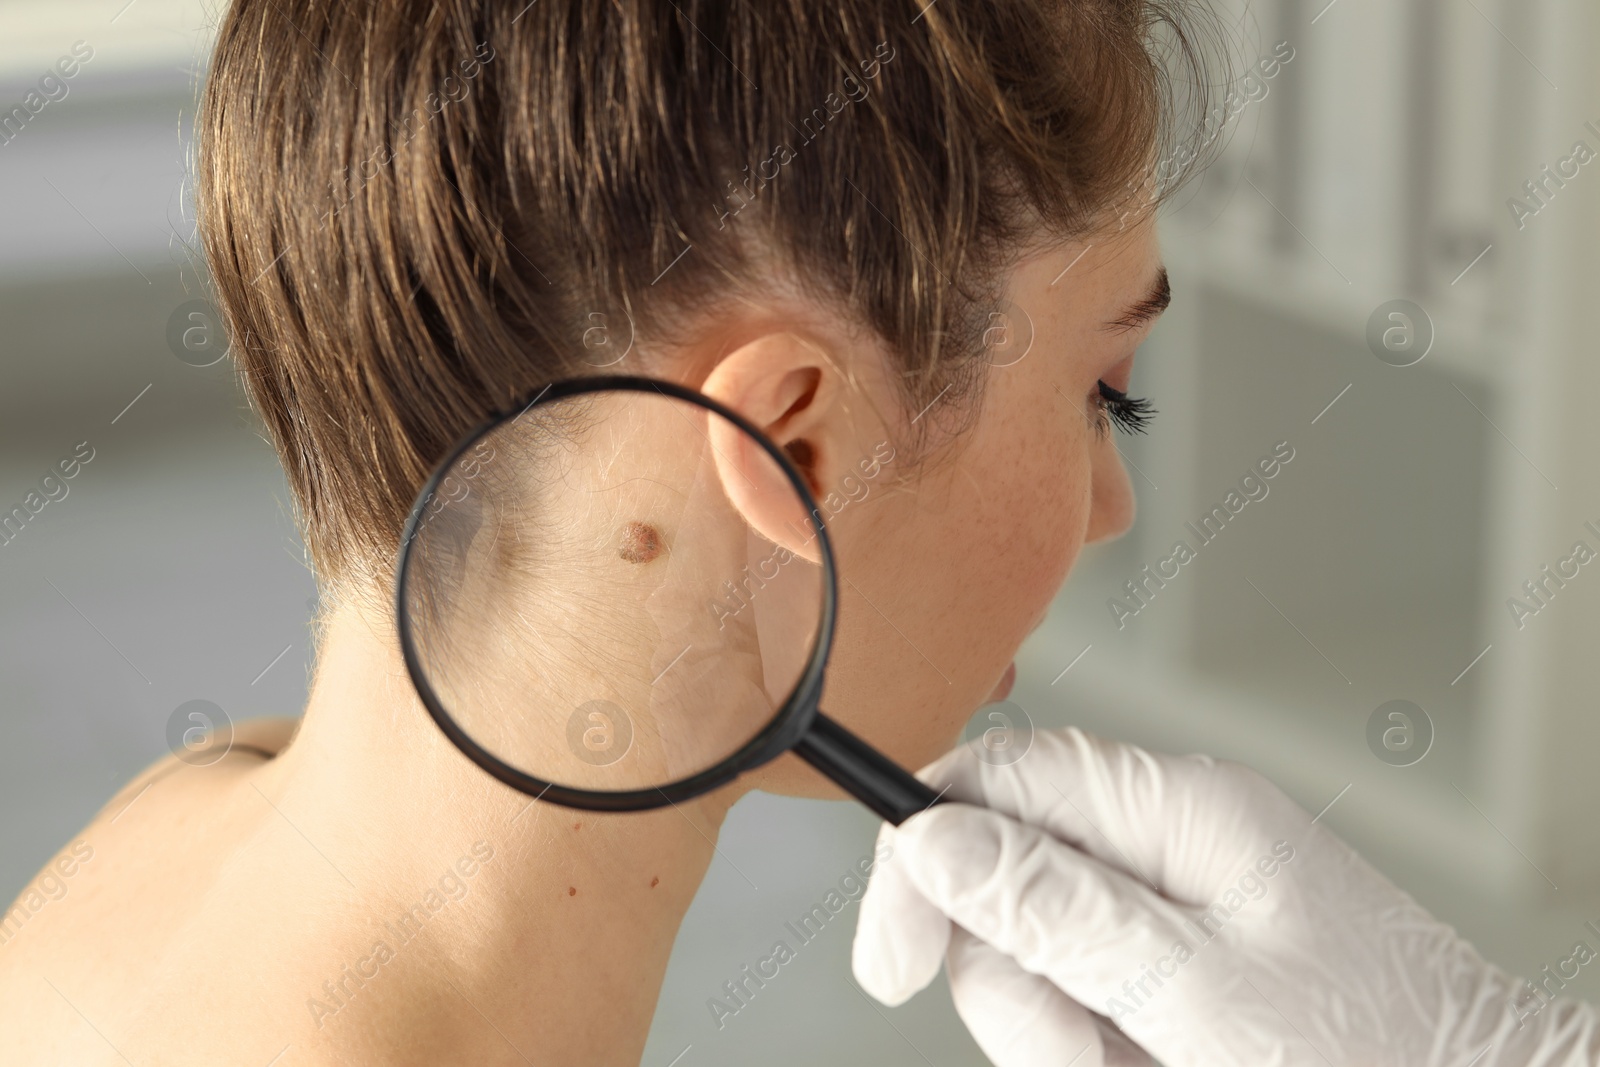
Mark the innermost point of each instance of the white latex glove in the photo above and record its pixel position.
(1193, 904)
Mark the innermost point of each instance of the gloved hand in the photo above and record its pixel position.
(1105, 900)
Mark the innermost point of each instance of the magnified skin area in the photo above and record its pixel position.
(557, 629)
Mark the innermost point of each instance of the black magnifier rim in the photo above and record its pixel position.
(793, 718)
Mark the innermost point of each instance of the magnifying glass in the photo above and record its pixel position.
(620, 595)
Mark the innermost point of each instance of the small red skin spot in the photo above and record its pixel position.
(655, 882)
(641, 542)
(577, 826)
(572, 890)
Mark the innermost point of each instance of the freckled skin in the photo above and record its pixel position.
(971, 548)
(641, 543)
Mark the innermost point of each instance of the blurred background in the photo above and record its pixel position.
(1380, 271)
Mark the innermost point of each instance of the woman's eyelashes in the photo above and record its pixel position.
(1131, 414)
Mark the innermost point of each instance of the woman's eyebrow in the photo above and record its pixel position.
(1147, 308)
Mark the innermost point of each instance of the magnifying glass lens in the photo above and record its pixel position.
(612, 591)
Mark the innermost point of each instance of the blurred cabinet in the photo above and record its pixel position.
(1421, 498)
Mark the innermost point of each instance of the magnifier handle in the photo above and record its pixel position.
(869, 776)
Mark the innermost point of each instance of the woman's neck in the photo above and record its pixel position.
(517, 929)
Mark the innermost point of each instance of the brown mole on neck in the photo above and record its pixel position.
(641, 542)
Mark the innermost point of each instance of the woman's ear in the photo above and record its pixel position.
(791, 389)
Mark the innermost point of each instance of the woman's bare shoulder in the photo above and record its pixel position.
(262, 738)
(116, 899)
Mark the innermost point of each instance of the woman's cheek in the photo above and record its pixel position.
(1054, 517)
(1079, 504)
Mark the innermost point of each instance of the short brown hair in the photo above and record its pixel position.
(411, 209)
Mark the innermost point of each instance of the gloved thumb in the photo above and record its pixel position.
(900, 936)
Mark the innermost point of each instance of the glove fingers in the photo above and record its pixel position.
(1119, 803)
(1099, 796)
(900, 936)
(1054, 910)
(1020, 1019)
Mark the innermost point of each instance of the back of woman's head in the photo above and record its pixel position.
(415, 211)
